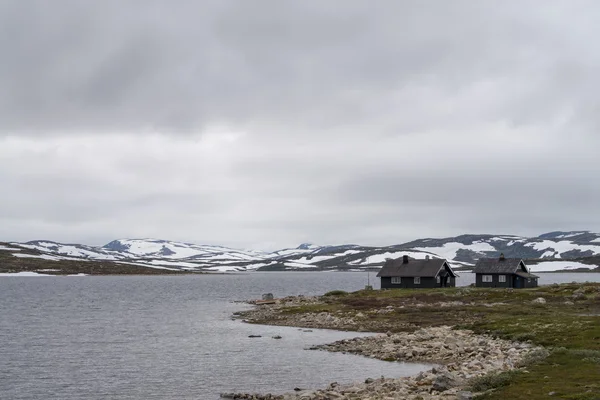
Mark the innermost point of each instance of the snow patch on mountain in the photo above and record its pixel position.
(462, 250)
(381, 258)
(449, 250)
(315, 259)
(9, 248)
(40, 256)
(563, 246)
(550, 266)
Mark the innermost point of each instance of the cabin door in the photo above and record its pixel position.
(518, 282)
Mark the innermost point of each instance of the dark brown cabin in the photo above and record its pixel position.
(406, 272)
(504, 273)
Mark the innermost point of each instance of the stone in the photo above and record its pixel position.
(539, 300)
(443, 382)
(462, 353)
(578, 295)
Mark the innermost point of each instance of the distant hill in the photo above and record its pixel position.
(551, 251)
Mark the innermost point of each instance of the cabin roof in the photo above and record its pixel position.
(526, 274)
(499, 266)
(421, 268)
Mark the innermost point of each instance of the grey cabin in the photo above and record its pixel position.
(406, 272)
(503, 273)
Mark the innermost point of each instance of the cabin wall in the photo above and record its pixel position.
(495, 281)
(530, 283)
(408, 283)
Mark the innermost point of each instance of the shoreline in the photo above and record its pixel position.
(459, 355)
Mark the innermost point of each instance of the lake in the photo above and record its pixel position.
(171, 337)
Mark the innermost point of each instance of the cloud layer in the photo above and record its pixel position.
(271, 123)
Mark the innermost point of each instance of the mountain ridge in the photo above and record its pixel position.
(577, 249)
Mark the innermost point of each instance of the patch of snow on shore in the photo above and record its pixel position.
(225, 268)
(297, 265)
(23, 273)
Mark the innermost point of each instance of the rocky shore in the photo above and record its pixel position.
(459, 355)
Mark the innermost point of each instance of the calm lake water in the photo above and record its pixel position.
(165, 337)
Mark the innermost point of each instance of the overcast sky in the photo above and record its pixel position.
(265, 124)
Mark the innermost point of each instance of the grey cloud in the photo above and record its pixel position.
(282, 121)
(139, 66)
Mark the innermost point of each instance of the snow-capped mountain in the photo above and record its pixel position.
(550, 251)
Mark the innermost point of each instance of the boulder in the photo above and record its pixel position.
(443, 382)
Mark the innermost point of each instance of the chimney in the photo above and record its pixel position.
(502, 257)
(427, 257)
(405, 259)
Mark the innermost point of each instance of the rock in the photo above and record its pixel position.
(539, 300)
(459, 355)
(578, 294)
(254, 336)
(443, 382)
(276, 337)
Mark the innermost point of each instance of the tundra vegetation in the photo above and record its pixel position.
(564, 319)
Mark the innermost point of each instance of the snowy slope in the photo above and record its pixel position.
(462, 250)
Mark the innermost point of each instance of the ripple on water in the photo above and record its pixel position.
(165, 338)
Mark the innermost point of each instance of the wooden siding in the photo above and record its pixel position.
(512, 281)
(495, 281)
(409, 283)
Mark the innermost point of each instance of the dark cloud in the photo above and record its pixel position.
(274, 122)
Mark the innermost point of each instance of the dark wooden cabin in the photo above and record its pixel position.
(504, 273)
(406, 272)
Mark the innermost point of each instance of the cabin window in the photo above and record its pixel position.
(438, 279)
(486, 278)
(501, 278)
(396, 280)
(417, 280)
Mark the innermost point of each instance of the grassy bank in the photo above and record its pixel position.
(566, 321)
